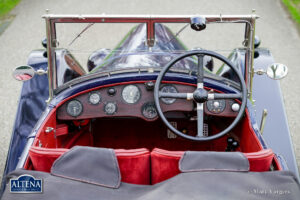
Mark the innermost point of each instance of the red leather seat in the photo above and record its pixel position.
(164, 164)
(134, 164)
(260, 161)
(43, 158)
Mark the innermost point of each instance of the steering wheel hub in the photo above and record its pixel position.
(200, 95)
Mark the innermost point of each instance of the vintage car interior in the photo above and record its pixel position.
(108, 117)
(147, 118)
(151, 117)
(128, 117)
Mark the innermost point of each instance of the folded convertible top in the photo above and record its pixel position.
(92, 173)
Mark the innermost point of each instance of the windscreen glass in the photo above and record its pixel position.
(107, 47)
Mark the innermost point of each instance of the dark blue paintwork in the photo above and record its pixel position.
(276, 132)
(34, 93)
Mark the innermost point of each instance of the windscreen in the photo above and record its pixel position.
(107, 47)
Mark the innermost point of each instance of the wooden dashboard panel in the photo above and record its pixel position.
(135, 110)
(124, 109)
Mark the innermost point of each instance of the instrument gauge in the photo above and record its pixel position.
(131, 94)
(216, 106)
(94, 98)
(168, 89)
(110, 108)
(149, 110)
(74, 108)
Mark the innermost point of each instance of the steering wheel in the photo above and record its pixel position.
(200, 95)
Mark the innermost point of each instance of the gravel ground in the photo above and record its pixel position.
(275, 29)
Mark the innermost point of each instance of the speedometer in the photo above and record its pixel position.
(131, 94)
(168, 89)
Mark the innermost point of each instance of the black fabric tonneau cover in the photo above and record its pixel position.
(193, 185)
(93, 173)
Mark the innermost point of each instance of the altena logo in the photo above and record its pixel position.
(26, 184)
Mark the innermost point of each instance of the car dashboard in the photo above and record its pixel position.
(136, 99)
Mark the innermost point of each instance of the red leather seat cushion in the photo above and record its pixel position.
(260, 161)
(43, 158)
(164, 164)
(134, 164)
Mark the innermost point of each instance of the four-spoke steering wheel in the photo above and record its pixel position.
(200, 95)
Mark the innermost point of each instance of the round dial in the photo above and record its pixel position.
(131, 94)
(74, 108)
(149, 110)
(94, 98)
(110, 108)
(216, 106)
(168, 89)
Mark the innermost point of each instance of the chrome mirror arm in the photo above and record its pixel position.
(41, 72)
(260, 71)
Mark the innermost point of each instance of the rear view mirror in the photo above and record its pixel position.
(23, 73)
(277, 71)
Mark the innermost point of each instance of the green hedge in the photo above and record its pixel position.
(7, 5)
(293, 7)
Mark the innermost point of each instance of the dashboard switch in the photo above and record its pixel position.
(149, 85)
(111, 91)
(235, 107)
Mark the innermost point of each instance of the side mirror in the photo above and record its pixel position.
(275, 71)
(23, 73)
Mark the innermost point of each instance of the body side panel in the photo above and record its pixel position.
(267, 95)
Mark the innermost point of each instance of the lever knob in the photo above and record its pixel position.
(234, 145)
(230, 140)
